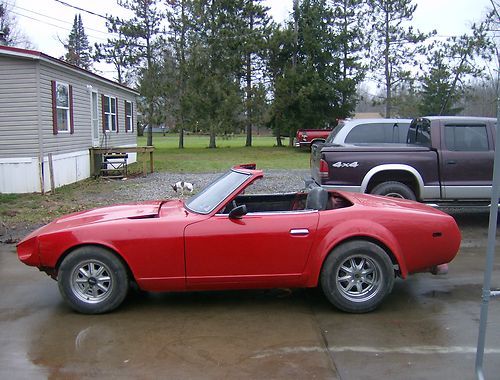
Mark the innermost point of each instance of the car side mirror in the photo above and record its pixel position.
(238, 212)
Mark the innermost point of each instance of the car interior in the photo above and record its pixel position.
(316, 199)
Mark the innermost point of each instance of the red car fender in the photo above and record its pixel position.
(54, 250)
(327, 239)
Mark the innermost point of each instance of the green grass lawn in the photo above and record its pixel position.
(196, 157)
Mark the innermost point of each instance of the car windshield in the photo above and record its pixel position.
(214, 194)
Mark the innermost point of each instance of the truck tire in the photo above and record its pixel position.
(394, 189)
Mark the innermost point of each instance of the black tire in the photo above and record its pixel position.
(93, 280)
(344, 283)
(394, 189)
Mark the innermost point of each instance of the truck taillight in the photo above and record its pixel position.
(323, 169)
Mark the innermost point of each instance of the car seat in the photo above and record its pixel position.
(317, 199)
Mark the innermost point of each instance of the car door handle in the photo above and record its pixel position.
(299, 231)
(451, 162)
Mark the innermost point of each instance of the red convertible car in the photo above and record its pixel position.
(351, 245)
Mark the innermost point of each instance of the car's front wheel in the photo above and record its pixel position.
(93, 280)
(357, 276)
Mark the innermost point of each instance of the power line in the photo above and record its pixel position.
(81, 9)
(54, 25)
(53, 18)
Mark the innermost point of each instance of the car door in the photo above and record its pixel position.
(467, 161)
(263, 249)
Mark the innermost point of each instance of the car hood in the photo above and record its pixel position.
(132, 210)
(140, 210)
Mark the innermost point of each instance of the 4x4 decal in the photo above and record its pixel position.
(340, 164)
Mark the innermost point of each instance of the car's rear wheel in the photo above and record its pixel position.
(357, 276)
(93, 280)
(394, 189)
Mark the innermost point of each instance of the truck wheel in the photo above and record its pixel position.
(357, 276)
(394, 189)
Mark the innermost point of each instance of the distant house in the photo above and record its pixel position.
(48, 106)
(367, 115)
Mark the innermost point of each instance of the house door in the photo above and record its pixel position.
(94, 105)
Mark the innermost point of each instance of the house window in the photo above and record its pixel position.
(62, 107)
(129, 126)
(109, 112)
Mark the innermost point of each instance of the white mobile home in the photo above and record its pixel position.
(48, 106)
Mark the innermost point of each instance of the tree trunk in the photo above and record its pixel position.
(388, 81)
(248, 100)
(181, 138)
(149, 141)
(212, 144)
(249, 90)
(278, 139)
(150, 136)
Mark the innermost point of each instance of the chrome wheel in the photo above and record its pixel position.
(92, 281)
(358, 278)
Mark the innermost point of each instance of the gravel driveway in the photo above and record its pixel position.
(157, 185)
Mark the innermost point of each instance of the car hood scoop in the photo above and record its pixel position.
(140, 210)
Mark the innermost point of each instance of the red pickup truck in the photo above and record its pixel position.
(306, 137)
(446, 160)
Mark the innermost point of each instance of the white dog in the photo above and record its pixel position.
(182, 186)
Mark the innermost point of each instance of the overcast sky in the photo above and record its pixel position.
(47, 21)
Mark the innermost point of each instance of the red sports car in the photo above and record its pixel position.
(351, 245)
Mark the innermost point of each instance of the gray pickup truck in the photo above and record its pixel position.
(446, 159)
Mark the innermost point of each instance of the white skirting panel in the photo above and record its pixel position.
(22, 175)
(68, 168)
(19, 175)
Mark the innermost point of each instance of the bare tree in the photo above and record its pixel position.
(12, 34)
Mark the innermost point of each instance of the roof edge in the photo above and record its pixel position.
(37, 55)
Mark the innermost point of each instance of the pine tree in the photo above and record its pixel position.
(144, 35)
(179, 14)
(78, 49)
(393, 45)
(305, 79)
(436, 88)
(256, 26)
(213, 97)
(348, 28)
(115, 50)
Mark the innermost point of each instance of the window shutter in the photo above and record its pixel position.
(103, 114)
(117, 118)
(125, 112)
(71, 119)
(54, 107)
(131, 116)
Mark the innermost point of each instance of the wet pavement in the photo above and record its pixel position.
(426, 329)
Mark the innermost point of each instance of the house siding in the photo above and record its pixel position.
(26, 124)
(81, 139)
(18, 108)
